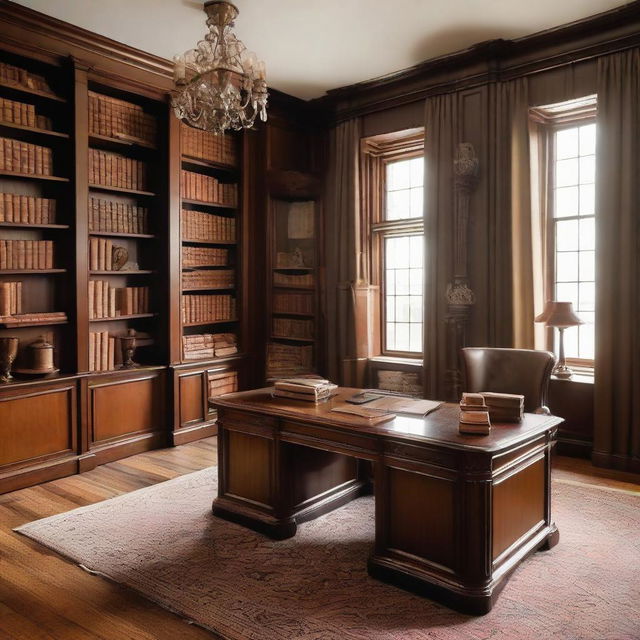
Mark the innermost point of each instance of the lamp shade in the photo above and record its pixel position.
(559, 314)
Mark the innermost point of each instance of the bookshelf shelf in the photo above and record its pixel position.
(187, 289)
(220, 242)
(291, 339)
(116, 234)
(293, 268)
(294, 313)
(119, 144)
(11, 127)
(26, 92)
(108, 189)
(293, 287)
(20, 325)
(212, 205)
(28, 225)
(134, 316)
(188, 161)
(32, 176)
(138, 272)
(210, 322)
(10, 272)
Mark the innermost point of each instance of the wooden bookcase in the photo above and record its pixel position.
(103, 108)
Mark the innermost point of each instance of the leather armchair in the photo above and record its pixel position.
(522, 371)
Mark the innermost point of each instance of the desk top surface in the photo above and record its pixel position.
(440, 426)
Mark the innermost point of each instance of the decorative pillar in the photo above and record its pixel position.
(460, 297)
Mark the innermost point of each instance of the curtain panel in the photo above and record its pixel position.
(345, 249)
(617, 370)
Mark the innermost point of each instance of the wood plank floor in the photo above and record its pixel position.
(43, 596)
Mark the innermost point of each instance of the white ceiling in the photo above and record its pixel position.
(311, 46)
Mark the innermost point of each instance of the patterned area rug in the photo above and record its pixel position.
(163, 542)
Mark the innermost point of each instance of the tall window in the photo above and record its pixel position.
(573, 233)
(402, 239)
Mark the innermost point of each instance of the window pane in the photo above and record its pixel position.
(567, 292)
(567, 144)
(587, 170)
(403, 293)
(587, 265)
(567, 235)
(571, 342)
(398, 205)
(586, 343)
(588, 233)
(588, 139)
(398, 175)
(567, 266)
(587, 297)
(567, 172)
(566, 202)
(587, 200)
(417, 172)
(416, 203)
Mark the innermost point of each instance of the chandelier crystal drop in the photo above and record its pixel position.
(220, 84)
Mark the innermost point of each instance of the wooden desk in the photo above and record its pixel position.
(454, 514)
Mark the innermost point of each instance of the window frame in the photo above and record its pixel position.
(384, 151)
(551, 120)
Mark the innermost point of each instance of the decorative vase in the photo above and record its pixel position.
(128, 346)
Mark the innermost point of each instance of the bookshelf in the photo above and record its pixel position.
(293, 277)
(209, 218)
(126, 171)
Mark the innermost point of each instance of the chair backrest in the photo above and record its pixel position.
(522, 371)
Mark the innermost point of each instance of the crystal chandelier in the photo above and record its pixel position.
(219, 85)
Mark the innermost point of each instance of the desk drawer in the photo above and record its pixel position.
(246, 422)
(360, 446)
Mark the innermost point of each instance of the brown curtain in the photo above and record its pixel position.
(617, 375)
(344, 250)
(518, 260)
(441, 122)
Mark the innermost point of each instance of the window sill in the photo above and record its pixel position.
(412, 362)
(584, 376)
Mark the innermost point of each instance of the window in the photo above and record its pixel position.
(403, 257)
(565, 140)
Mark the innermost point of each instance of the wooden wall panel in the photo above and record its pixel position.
(191, 398)
(119, 408)
(518, 505)
(36, 424)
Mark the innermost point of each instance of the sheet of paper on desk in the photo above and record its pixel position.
(375, 416)
(404, 405)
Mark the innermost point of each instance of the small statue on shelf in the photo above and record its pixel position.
(8, 353)
(297, 259)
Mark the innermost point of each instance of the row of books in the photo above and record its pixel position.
(202, 346)
(23, 114)
(204, 257)
(10, 298)
(306, 389)
(101, 254)
(26, 254)
(197, 186)
(292, 303)
(293, 328)
(12, 75)
(102, 351)
(210, 279)
(38, 317)
(117, 217)
(106, 301)
(288, 360)
(208, 146)
(208, 308)
(221, 383)
(24, 157)
(205, 227)
(120, 119)
(29, 209)
(292, 280)
(114, 170)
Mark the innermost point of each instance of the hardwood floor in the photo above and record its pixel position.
(43, 597)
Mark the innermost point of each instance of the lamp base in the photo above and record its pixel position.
(562, 371)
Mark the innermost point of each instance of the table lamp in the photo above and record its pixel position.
(560, 315)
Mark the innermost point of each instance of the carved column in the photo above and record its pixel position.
(460, 297)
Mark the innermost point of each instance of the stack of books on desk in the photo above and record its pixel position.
(474, 416)
(504, 407)
(307, 389)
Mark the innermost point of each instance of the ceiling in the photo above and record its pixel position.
(311, 46)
